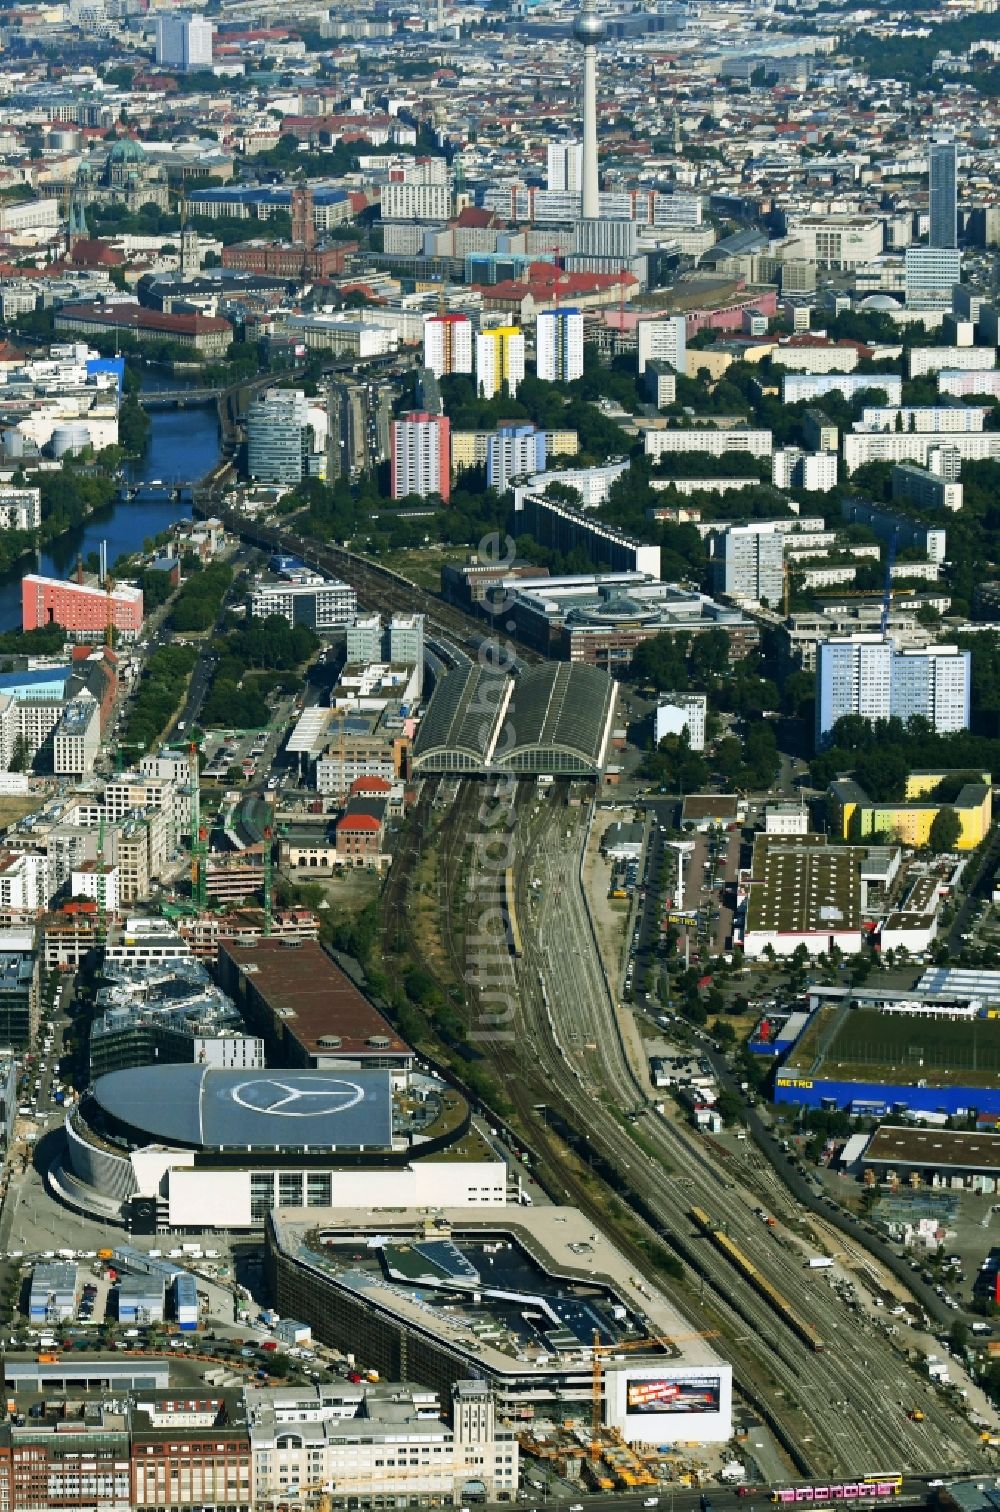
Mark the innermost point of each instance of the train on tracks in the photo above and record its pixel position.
(865, 1490)
(510, 916)
(774, 1299)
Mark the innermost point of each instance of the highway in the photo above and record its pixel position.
(845, 1407)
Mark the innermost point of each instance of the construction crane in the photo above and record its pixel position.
(625, 1346)
(890, 562)
(268, 900)
(102, 886)
(294, 1495)
(109, 629)
(199, 836)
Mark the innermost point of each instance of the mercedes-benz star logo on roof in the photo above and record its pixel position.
(284, 1099)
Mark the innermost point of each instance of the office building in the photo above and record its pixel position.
(677, 712)
(564, 167)
(448, 344)
(514, 451)
(662, 340)
(384, 1441)
(322, 604)
(749, 564)
(286, 438)
(76, 738)
(866, 675)
(85, 611)
(19, 988)
(183, 42)
(421, 455)
(499, 360)
(559, 345)
(942, 175)
(931, 273)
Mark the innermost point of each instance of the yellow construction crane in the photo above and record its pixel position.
(599, 1350)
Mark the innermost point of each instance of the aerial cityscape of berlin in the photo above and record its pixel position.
(499, 704)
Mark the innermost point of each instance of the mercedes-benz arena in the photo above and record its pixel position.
(193, 1147)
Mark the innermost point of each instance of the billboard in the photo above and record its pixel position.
(666, 1402)
(668, 1394)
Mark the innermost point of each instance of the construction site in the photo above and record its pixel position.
(600, 1374)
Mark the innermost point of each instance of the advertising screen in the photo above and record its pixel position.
(673, 1394)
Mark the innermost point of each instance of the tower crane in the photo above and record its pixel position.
(626, 1346)
(199, 836)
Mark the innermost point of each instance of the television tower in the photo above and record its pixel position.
(588, 30)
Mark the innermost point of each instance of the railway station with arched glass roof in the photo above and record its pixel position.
(553, 720)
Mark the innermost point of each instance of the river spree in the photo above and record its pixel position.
(183, 446)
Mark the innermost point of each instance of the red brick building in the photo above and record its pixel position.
(360, 832)
(288, 260)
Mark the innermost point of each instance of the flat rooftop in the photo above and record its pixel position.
(948, 1149)
(897, 1049)
(800, 885)
(309, 999)
(579, 1266)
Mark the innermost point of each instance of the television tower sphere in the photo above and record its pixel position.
(588, 28)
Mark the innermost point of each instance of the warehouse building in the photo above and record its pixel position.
(309, 1012)
(55, 1290)
(934, 1157)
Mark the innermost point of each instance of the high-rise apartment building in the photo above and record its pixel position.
(448, 344)
(559, 345)
(499, 360)
(184, 42)
(564, 167)
(662, 341)
(864, 674)
(942, 173)
(750, 564)
(513, 452)
(421, 455)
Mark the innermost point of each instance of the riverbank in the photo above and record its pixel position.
(183, 444)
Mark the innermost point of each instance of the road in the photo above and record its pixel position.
(845, 1406)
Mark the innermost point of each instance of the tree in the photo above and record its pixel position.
(945, 831)
(21, 756)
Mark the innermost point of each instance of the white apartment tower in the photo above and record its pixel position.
(559, 345)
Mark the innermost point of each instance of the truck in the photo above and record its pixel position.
(818, 1262)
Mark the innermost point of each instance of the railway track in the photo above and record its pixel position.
(378, 587)
(853, 1395)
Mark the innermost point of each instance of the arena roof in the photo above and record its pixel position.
(201, 1107)
(555, 718)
